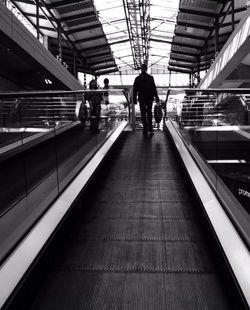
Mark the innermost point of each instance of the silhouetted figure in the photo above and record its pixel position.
(106, 94)
(83, 112)
(94, 100)
(144, 87)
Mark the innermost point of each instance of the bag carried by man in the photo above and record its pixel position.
(158, 114)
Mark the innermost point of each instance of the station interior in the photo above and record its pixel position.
(96, 213)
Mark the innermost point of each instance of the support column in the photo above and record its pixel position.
(198, 69)
(37, 20)
(206, 57)
(59, 33)
(74, 66)
(233, 17)
(121, 77)
(85, 80)
(216, 37)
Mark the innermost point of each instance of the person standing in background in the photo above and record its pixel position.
(144, 87)
(94, 99)
(106, 94)
(83, 112)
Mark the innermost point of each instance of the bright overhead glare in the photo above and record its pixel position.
(159, 31)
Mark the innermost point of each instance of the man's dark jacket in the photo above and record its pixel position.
(144, 86)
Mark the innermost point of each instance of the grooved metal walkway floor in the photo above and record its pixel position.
(137, 244)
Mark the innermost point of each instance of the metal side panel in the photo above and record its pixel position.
(14, 268)
(233, 246)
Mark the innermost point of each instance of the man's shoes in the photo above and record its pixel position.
(151, 132)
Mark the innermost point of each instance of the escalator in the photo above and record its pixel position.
(137, 241)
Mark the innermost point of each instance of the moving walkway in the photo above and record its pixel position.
(144, 230)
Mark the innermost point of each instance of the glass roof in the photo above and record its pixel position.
(160, 30)
(103, 36)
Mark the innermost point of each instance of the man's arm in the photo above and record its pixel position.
(155, 91)
(135, 90)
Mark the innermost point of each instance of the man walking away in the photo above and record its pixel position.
(144, 87)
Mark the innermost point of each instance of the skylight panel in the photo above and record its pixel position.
(162, 19)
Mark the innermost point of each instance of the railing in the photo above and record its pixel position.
(214, 124)
(46, 138)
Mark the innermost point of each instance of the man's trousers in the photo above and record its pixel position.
(146, 114)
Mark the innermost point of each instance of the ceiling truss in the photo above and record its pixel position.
(138, 23)
(201, 31)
